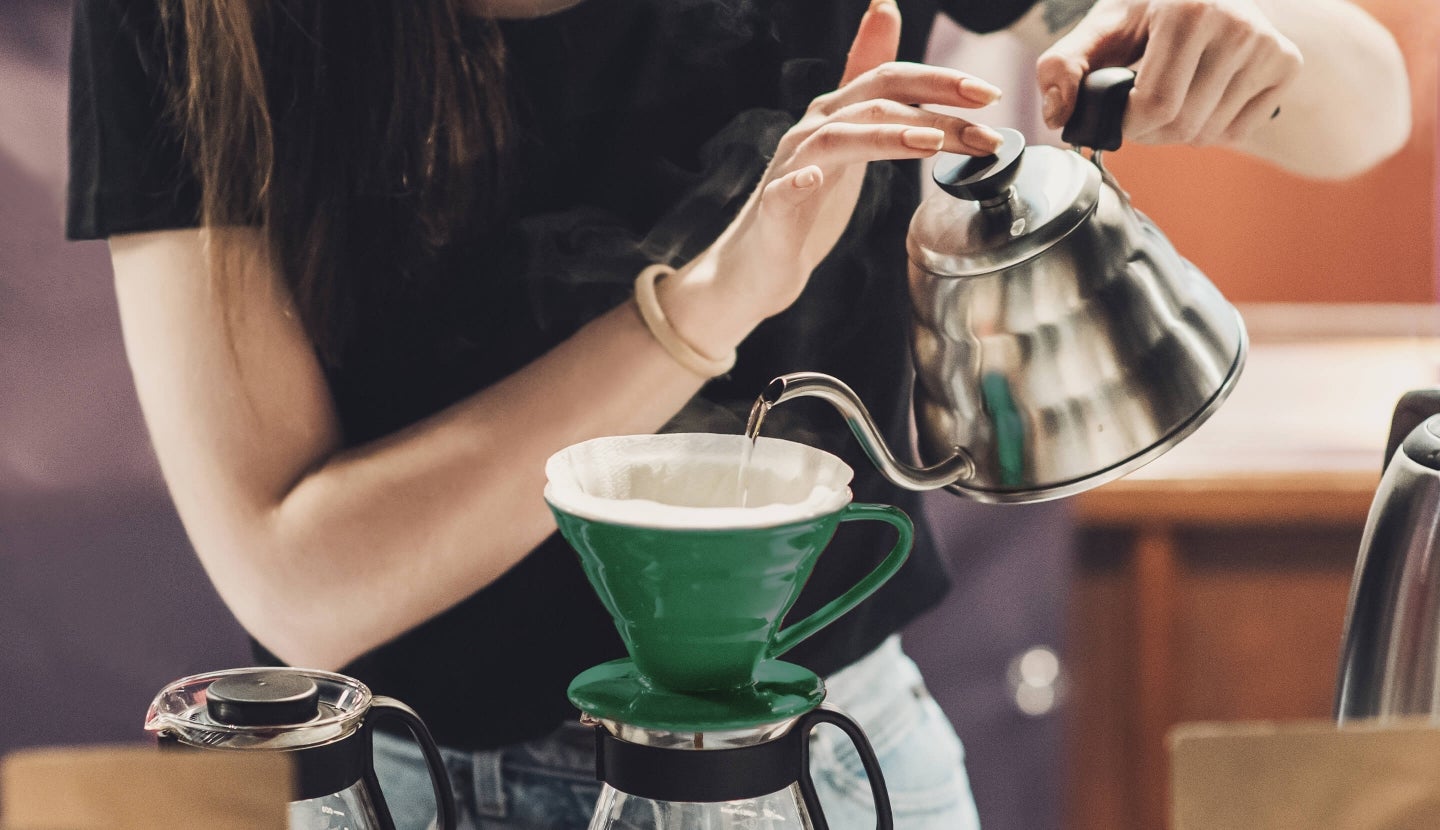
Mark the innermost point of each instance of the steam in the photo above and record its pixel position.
(583, 260)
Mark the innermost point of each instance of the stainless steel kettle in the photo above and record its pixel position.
(1390, 652)
(1059, 341)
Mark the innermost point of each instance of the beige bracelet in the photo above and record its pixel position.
(655, 320)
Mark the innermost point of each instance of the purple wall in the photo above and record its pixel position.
(101, 600)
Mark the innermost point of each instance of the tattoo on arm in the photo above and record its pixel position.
(1060, 14)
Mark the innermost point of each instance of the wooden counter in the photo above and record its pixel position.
(1212, 583)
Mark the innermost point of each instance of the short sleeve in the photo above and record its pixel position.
(982, 16)
(127, 165)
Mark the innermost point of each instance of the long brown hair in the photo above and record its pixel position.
(358, 136)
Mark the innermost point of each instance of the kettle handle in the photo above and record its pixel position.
(389, 707)
(1100, 104)
(828, 714)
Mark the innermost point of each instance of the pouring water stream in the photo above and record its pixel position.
(752, 431)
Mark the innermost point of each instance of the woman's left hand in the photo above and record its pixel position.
(762, 261)
(1208, 71)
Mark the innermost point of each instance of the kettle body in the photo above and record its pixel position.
(322, 721)
(1058, 339)
(1057, 335)
(1390, 652)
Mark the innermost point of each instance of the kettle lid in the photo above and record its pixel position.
(999, 210)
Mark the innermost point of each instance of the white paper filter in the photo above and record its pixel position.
(691, 480)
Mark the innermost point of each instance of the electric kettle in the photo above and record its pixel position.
(1390, 651)
(322, 720)
(1059, 340)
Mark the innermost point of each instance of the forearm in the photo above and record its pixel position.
(324, 552)
(404, 527)
(1349, 108)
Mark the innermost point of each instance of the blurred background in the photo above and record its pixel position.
(1208, 586)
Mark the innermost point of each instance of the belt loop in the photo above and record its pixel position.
(489, 784)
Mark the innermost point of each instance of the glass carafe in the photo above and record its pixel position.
(323, 721)
(746, 779)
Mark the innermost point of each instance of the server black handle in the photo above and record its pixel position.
(803, 727)
(388, 707)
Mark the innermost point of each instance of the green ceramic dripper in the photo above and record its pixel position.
(698, 585)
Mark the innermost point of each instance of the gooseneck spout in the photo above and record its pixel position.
(835, 392)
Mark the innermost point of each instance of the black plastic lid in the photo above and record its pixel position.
(264, 698)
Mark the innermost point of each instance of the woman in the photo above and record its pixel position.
(373, 263)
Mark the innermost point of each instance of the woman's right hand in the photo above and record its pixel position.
(762, 261)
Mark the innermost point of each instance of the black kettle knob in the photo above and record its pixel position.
(982, 178)
(1100, 104)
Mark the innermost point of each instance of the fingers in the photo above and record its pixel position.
(793, 189)
(876, 42)
(1205, 63)
(961, 136)
(910, 83)
(1111, 34)
(1252, 97)
(1257, 112)
(839, 144)
(1213, 76)
(1165, 75)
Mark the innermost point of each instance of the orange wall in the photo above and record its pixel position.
(1267, 236)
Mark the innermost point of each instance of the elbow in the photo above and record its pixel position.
(279, 595)
(299, 636)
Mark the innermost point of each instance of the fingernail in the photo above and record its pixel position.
(876, 4)
(978, 90)
(923, 138)
(1050, 109)
(982, 138)
(807, 178)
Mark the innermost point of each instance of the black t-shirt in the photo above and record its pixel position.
(640, 126)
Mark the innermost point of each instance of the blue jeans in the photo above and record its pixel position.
(550, 783)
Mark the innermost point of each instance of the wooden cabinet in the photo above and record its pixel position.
(1212, 585)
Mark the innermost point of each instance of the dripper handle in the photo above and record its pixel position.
(828, 714)
(388, 707)
(1100, 104)
(792, 635)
